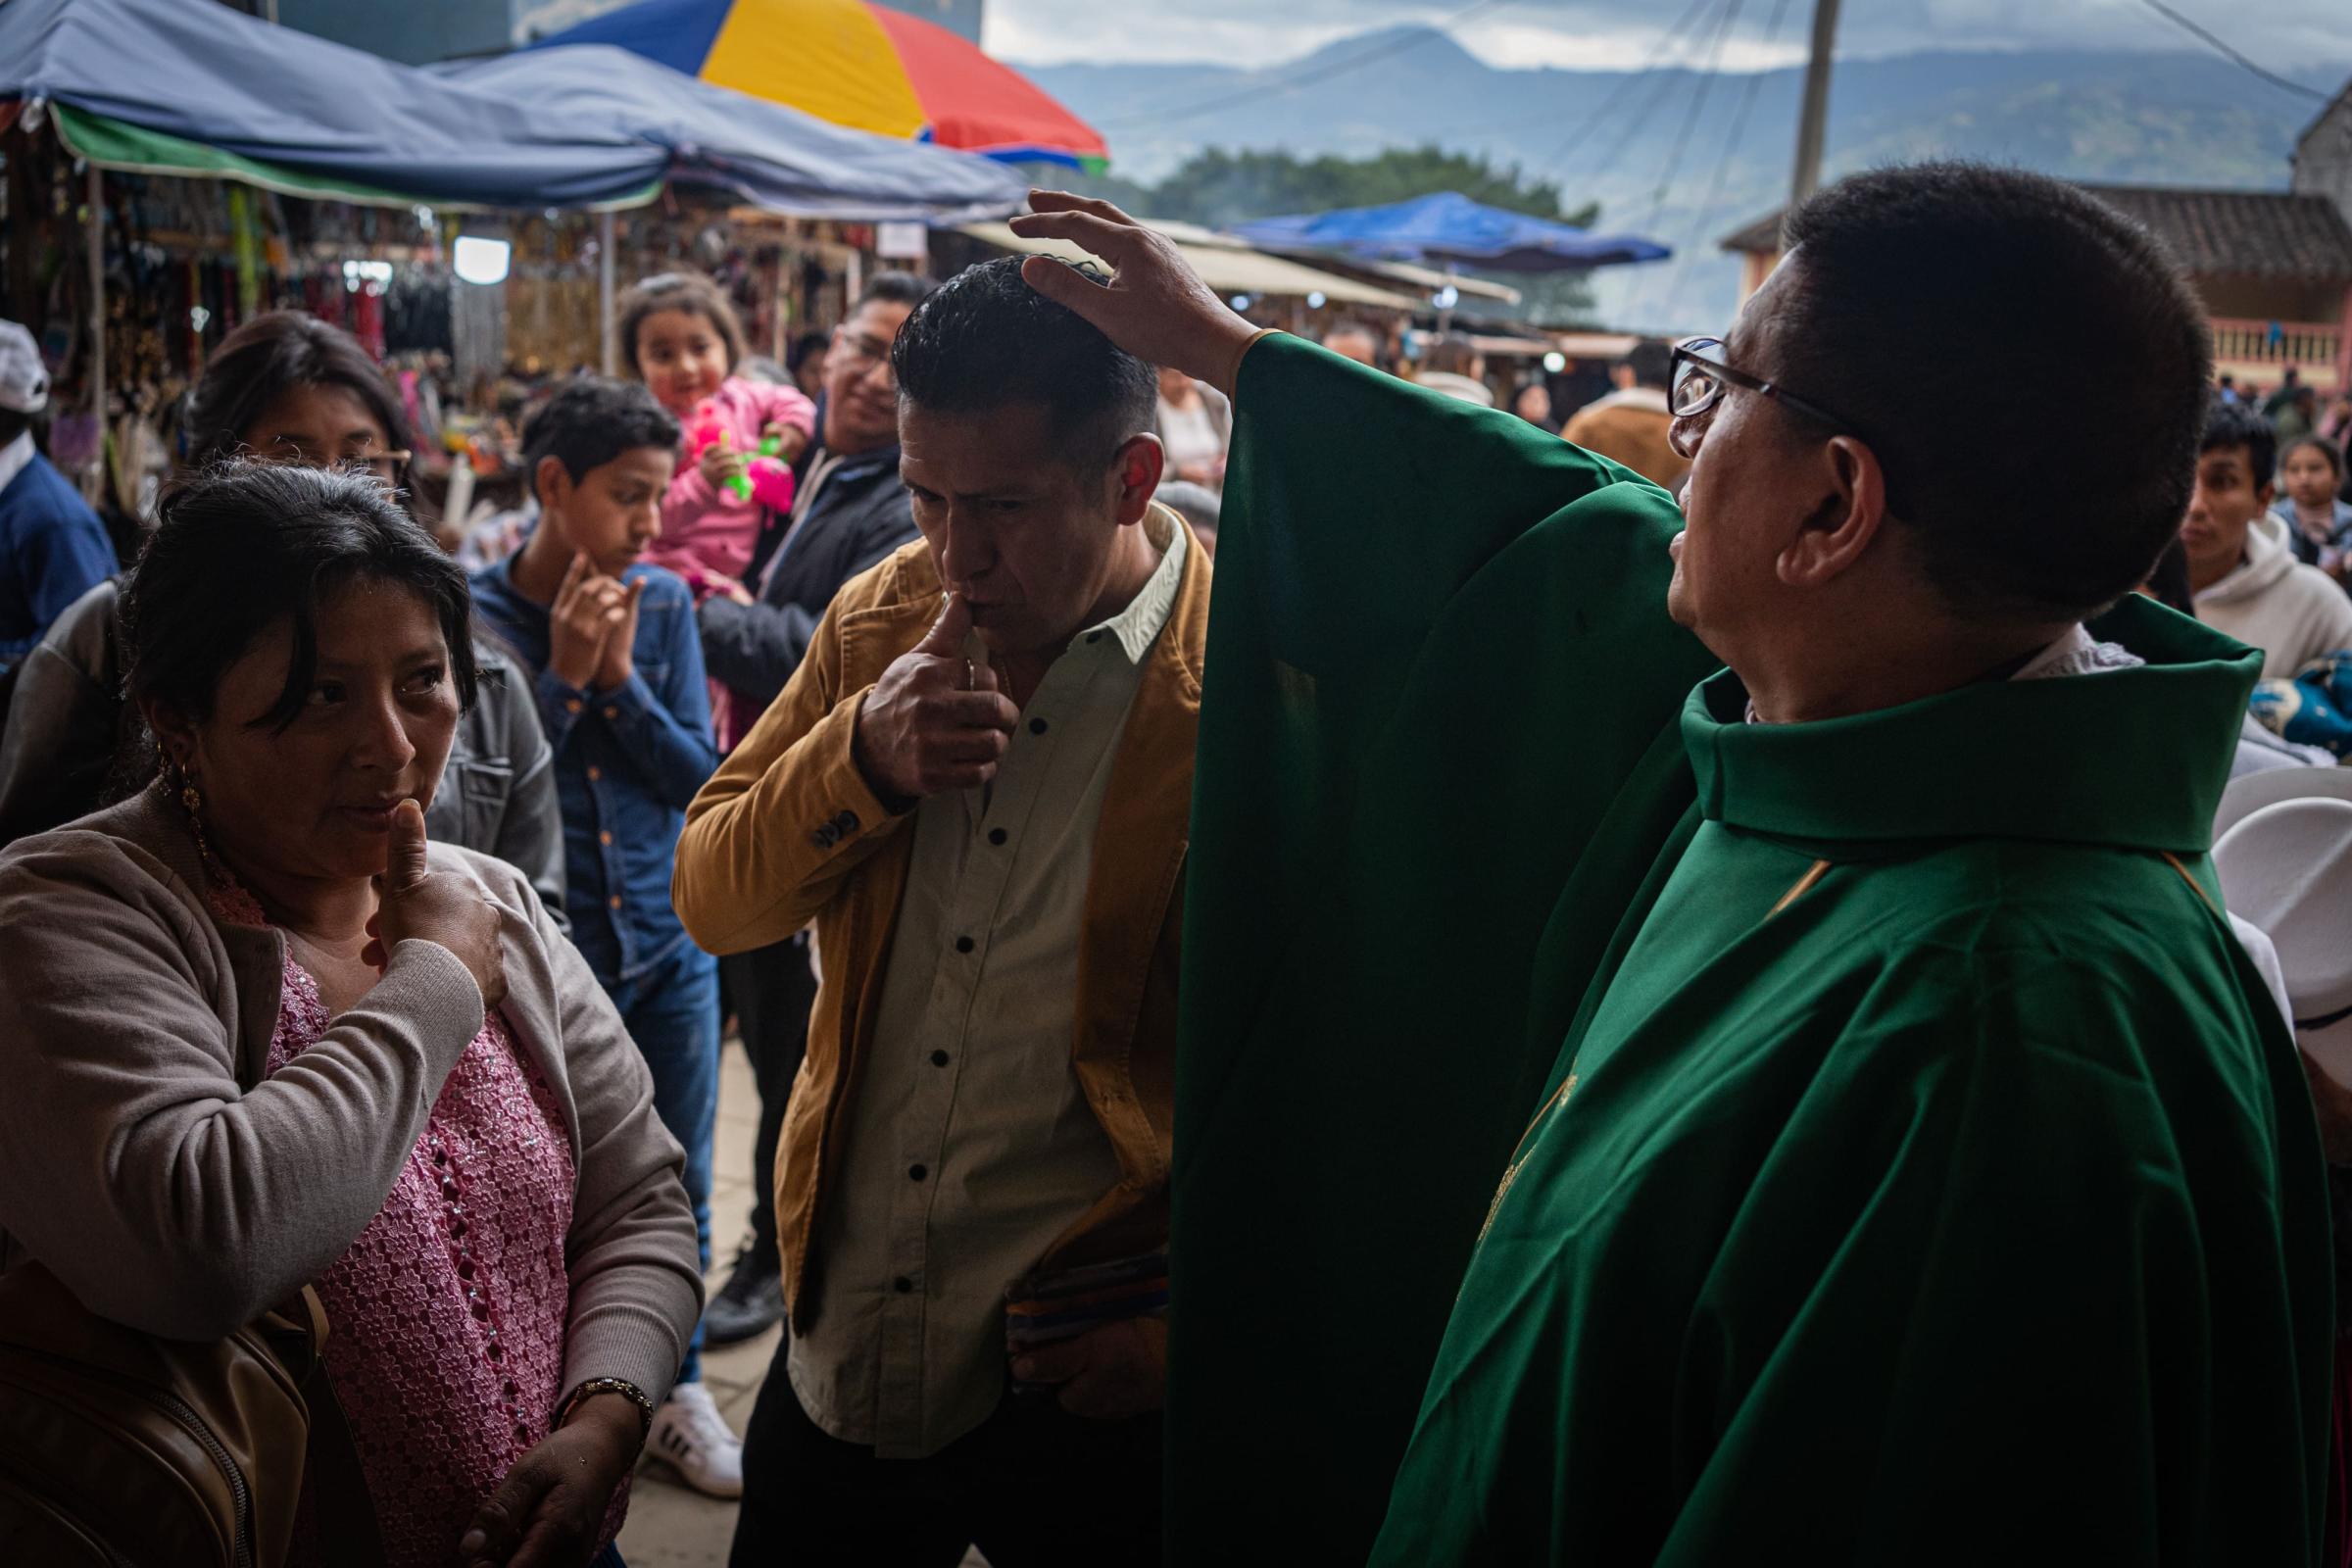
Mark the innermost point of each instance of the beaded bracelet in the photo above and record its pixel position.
(620, 1386)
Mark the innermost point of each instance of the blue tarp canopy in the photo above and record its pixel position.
(155, 83)
(1452, 228)
(773, 156)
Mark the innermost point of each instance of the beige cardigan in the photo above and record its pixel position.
(165, 1198)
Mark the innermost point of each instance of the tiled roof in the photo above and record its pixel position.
(2242, 233)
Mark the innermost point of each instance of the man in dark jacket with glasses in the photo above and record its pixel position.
(850, 513)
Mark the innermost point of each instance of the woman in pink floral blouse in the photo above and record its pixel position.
(259, 1034)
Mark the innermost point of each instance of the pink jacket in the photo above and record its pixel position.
(706, 531)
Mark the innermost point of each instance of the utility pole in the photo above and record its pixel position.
(1813, 120)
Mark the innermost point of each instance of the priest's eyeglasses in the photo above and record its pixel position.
(1700, 377)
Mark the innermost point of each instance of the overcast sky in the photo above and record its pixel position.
(1599, 34)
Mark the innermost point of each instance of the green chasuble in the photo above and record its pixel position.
(1928, 1181)
(1916, 1179)
(1436, 761)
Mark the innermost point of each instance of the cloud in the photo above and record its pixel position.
(1611, 34)
(1052, 33)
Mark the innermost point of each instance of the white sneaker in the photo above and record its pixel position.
(691, 1437)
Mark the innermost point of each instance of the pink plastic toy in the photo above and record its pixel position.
(771, 484)
(765, 479)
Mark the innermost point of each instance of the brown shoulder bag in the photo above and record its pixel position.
(118, 1447)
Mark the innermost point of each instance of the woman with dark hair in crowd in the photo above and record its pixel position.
(283, 388)
(260, 1034)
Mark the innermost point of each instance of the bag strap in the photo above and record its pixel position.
(339, 1499)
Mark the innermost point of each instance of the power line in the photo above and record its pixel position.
(1723, 166)
(1308, 77)
(1640, 118)
(1592, 121)
(1698, 103)
(1519, 122)
(2223, 48)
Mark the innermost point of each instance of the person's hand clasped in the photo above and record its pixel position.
(1156, 308)
(589, 610)
(1106, 1374)
(618, 661)
(549, 1510)
(935, 720)
(450, 908)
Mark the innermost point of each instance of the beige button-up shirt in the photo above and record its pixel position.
(967, 1144)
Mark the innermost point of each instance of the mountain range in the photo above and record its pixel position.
(1686, 157)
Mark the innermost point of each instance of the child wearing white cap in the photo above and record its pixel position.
(53, 549)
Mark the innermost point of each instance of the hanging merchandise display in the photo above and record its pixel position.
(185, 260)
(248, 239)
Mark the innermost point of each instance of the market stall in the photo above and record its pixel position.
(258, 167)
(1274, 288)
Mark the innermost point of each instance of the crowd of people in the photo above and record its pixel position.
(1787, 785)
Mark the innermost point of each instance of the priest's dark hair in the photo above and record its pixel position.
(239, 545)
(985, 338)
(2234, 425)
(2168, 580)
(590, 421)
(1969, 320)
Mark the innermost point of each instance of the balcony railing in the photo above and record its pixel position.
(2263, 350)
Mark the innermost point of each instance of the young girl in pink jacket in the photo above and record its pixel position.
(684, 343)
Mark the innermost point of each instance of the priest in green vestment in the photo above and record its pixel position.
(1813, 1111)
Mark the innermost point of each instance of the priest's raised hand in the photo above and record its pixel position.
(1155, 307)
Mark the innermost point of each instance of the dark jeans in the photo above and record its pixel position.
(771, 990)
(673, 1014)
(1033, 1487)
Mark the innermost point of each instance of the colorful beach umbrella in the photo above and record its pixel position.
(854, 64)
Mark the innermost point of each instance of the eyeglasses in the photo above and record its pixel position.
(862, 351)
(1700, 377)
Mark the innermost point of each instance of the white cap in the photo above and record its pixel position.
(2249, 793)
(2287, 868)
(23, 378)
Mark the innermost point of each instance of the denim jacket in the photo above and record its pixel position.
(627, 762)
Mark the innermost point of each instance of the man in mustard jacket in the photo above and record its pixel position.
(977, 785)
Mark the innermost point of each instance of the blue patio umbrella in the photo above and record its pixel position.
(1451, 229)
